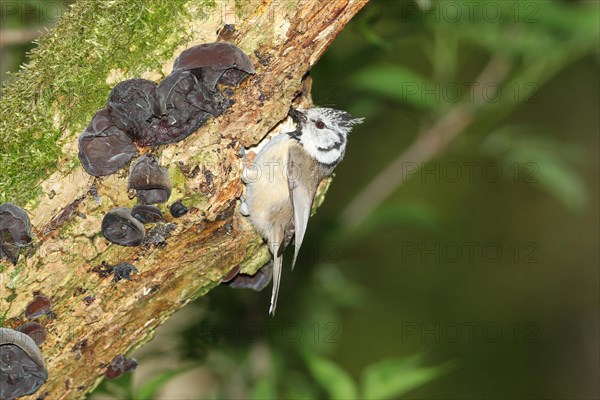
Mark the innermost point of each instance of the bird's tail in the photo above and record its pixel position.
(277, 267)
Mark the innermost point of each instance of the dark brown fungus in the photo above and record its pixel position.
(16, 221)
(231, 274)
(22, 366)
(35, 331)
(119, 227)
(132, 103)
(181, 89)
(185, 105)
(41, 305)
(120, 365)
(104, 148)
(15, 231)
(8, 248)
(152, 115)
(178, 209)
(257, 282)
(151, 182)
(123, 271)
(215, 62)
(146, 214)
(79, 348)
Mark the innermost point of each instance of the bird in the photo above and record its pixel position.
(283, 179)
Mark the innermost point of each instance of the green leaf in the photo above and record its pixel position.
(372, 37)
(298, 385)
(264, 388)
(418, 214)
(149, 389)
(564, 183)
(390, 379)
(540, 160)
(397, 83)
(412, 214)
(331, 377)
(526, 28)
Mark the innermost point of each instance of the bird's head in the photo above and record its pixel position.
(323, 132)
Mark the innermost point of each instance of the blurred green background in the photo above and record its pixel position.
(457, 252)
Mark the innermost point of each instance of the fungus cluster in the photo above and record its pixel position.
(22, 366)
(140, 112)
(152, 185)
(15, 231)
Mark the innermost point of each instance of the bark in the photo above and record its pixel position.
(95, 318)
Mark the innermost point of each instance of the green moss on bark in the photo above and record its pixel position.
(68, 79)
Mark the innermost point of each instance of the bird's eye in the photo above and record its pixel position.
(320, 124)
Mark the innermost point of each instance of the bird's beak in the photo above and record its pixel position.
(298, 117)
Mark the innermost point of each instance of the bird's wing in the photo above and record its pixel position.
(302, 190)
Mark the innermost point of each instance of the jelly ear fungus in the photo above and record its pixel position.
(256, 282)
(146, 214)
(22, 366)
(103, 147)
(185, 104)
(140, 111)
(34, 330)
(153, 115)
(39, 306)
(15, 231)
(220, 62)
(151, 182)
(119, 227)
(119, 366)
(178, 209)
(132, 104)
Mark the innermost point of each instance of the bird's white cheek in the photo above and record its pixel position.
(330, 157)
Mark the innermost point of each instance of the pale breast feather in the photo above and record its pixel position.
(267, 191)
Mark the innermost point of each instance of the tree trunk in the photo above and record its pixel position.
(67, 81)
